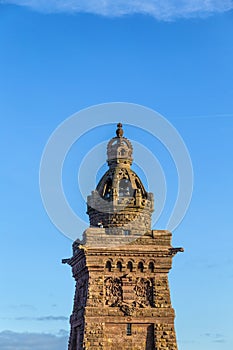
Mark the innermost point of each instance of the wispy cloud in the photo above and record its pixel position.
(37, 341)
(43, 318)
(160, 9)
(39, 318)
(215, 337)
(22, 306)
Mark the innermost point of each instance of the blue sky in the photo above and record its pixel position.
(56, 60)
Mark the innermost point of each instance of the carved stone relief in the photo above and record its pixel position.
(114, 294)
(144, 292)
(127, 293)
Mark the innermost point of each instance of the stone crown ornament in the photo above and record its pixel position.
(120, 196)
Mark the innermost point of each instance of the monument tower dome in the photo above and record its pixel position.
(120, 197)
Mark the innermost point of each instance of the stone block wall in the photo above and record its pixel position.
(121, 287)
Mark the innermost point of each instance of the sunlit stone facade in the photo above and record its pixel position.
(122, 297)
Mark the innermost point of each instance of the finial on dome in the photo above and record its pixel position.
(119, 130)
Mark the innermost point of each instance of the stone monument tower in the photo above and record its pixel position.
(122, 297)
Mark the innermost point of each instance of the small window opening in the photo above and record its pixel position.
(138, 184)
(126, 232)
(130, 266)
(125, 188)
(119, 266)
(140, 267)
(107, 188)
(108, 266)
(129, 329)
(151, 267)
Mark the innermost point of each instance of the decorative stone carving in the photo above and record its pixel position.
(120, 197)
(113, 287)
(127, 310)
(140, 290)
(144, 292)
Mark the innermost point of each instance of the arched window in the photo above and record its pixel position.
(141, 188)
(107, 188)
(125, 188)
(140, 266)
(151, 267)
(119, 266)
(130, 266)
(138, 184)
(108, 266)
(122, 152)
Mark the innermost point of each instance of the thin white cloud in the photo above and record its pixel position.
(160, 9)
(22, 306)
(42, 318)
(215, 337)
(39, 318)
(37, 341)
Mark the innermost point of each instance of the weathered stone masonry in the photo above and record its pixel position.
(122, 296)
